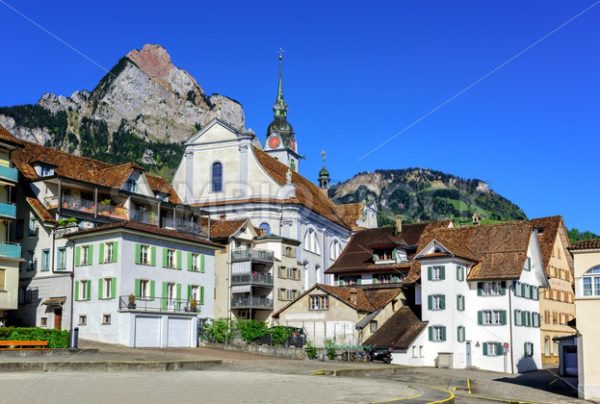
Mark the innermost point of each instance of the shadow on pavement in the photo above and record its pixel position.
(547, 380)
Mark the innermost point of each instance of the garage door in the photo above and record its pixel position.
(570, 358)
(147, 332)
(179, 332)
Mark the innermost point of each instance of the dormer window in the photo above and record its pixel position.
(131, 185)
(44, 170)
(162, 196)
(385, 255)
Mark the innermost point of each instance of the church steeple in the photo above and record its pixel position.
(324, 173)
(281, 140)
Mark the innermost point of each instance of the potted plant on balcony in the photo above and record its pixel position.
(105, 207)
(131, 302)
(193, 305)
(120, 211)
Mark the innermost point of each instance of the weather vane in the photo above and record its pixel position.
(323, 156)
(281, 53)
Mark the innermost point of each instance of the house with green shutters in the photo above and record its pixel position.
(142, 286)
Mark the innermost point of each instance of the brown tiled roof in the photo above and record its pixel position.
(147, 228)
(500, 250)
(7, 137)
(399, 331)
(307, 193)
(379, 298)
(223, 229)
(39, 209)
(83, 169)
(586, 245)
(549, 228)
(350, 213)
(358, 255)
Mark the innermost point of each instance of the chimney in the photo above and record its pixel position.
(353, 296)
(398, 224)
(476, 218)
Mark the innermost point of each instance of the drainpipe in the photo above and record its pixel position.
(72, 275)
(510, 327)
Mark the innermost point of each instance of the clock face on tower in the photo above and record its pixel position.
(293, 143)
(274, 142)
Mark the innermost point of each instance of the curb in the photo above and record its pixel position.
(108, 366)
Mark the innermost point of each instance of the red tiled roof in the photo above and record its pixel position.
(7, 137)
(399, 331)
(586, 245)
(39, 209)
(549, 228)
(350, 213)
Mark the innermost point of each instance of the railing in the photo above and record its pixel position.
(11, 250)
(255, 278)
(8, 210)
(71, 203)
(143, 217)
(114, 212)
(251, 302)
(159, 304)
(185, 227)
(9, 173)
(252, 255)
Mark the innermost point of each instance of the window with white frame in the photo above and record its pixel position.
(518, 318)
(460, 273)
(492, 317)
(335, 249)
(528, 349)
(437, 273)
(437, 302)
(106, 319)
(144, 288)
(415, 351)
(437, 333)
(44, 322)
(84, 290)
(492, 349)
(460, 333)
(373, 326)
(86, 255)
(45, 260)
(460, 303)
(493, 288)
(171, 260)
(107, 285)
(145, 254)
(528, 264)
(61, 259)
(590, 282)
(108, 252)
(291, 294)
(319, 302)
(82, 319)
(170, 291)
(311, 242)
(195, 264)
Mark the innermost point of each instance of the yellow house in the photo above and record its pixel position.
(586, 258)
(557, 303)
(344, 315)
(10, 253)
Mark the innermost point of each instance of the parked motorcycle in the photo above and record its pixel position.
(380, 354)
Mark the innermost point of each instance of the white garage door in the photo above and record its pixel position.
(179, 332)
(147, 332)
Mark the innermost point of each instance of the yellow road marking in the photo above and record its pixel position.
(391, 400)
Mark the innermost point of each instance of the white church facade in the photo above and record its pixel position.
(229, 174)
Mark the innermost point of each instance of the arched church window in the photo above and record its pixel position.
(311, 242)
(335, 249)
(266, 228)
(217, 177)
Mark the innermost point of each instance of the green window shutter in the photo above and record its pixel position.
(479, 288)
(458, 302)
(502, 288)
(138, 254)
(189, 292)
(76, 290)
(503, 317)
(189, 261)
(179, 291)
(100, 284)
(90, 255)
(480, 317)
(442, 272)
(430, 333)
(201, 294)
(499, 349)
(89, 289)
(516, 316)
(430, 302)
(153, 255)
(485, 349)
(518, 289)
(138, 288)
(101, 254)
(115, 251)
(443, 333)
(179, 259)
(429, 273)
(202, 263)
(77, 256)
(152, 289)
(163, 301)
(113, 288)
(164, 257)
(443, 302)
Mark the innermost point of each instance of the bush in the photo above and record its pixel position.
(311, 351)
(251, 330)
(330, 348)
(280, 334)
(55, 338)
(220, 330)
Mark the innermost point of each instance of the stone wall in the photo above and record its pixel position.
(277, 351)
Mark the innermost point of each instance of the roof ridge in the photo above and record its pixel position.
(28, 143)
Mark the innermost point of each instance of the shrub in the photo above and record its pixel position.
(251, 330)
(311, 351)
(280, 334)
(330, 348)
(55, 338)
(220, 330)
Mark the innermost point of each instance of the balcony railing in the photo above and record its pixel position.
(255, 278)
(185, 227)
(9, 173)
(114, 212)
(251, 302)
(10, 250)
(253, 255)
(159, 304)
(8, 210)
(144, 217)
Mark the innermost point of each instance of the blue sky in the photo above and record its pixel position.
(357, 73)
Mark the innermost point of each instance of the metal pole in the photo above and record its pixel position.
(71, 328)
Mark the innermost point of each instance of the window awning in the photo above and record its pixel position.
(55, 301)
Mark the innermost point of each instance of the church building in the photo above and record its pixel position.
(227, 173)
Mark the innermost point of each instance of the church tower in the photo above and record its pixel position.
(281, 140)
(324, 174)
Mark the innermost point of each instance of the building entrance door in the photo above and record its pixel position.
(468, 347)
(58, 319)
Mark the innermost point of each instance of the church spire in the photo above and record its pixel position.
(280, 107)
(324, 173)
